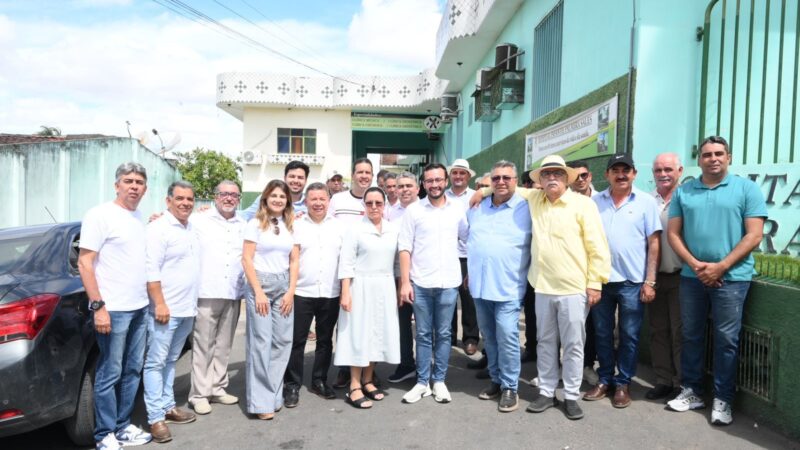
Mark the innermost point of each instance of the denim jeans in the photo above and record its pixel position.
(727, 305)
(164, 345)
(624, 294)
(433, 313)
(499, 323)
(119, 370)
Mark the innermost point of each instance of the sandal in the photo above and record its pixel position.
(358, 403)
(375, 394)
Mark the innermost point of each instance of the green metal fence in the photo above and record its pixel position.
(749, 78)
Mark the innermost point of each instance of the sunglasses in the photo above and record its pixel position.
(481, 186)
(583, 176)
(505, 178)
(374, 204)
(274, 222)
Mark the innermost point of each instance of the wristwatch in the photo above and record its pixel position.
(94, 305)
(650, 283)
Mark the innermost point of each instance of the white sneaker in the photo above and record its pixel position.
(132, 436)
(721, 414)
(201, 406)
(590, 376)
(416, 393)
(225, 399)
(686, 400)
(440, 392)
(108, 443)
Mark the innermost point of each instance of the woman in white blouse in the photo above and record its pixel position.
(270, 261)
(368, 330)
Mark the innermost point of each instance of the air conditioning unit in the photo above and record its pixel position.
(482, 78)
(505, 57)
(251, 157)
(449, 106)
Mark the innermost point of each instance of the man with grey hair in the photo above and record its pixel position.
(112, 268)
(407, 193)
(664, 313)
(173, 268)
(499, 254)
(220, 233)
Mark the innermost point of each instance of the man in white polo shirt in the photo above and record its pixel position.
(319, 237)
(173, 268)
(220, 233)
(430, 275)
(111, 264)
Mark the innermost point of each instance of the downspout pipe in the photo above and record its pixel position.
(630, 81)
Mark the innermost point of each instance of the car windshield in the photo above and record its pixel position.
(14, 250)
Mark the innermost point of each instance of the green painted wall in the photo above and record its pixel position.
(512, 147)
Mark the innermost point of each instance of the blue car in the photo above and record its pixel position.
(47, 344)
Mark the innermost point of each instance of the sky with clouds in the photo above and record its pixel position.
(88, 66)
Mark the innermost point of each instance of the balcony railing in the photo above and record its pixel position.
(285, 158)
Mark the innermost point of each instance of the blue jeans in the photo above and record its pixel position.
(433, 313)
(119, 370)
(164, 345)
(499, 323)
(727, 305)
(624, 294)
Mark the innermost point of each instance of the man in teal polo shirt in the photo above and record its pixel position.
(715, 222)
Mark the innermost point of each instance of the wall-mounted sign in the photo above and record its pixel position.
(386, 122)
(587, 134)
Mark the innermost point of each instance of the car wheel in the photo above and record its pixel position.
(80, 427)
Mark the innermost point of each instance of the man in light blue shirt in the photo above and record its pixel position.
(633, 229)
(498, 257)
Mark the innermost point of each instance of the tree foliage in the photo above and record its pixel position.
(49, 131)
(205, 169)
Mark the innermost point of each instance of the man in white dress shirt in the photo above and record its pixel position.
(319, 237)
(430, 275)
(219, 231)
(173, 267)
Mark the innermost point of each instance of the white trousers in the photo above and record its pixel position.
(560, 317)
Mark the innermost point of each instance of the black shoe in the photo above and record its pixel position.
(542, 403)
(572, 410)
(291, 397)
(479, 364)
(342, 379)
(482, 374)
(323, 390)
(528, 356)
(658, 391)
(509, 401)
(402, 373)
(493, 391)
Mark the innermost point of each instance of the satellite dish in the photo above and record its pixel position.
(143, 137)
(176, 139)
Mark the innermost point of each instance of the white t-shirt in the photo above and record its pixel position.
(272, 251)
(347, 207)
(118, 237)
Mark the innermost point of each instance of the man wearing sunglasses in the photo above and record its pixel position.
(583, 183)
(220, 233)
(633, 229)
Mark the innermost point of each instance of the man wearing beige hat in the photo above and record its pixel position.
(459, 191)
(334, 183)
(570, 261)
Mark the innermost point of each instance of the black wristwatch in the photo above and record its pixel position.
(94, 305)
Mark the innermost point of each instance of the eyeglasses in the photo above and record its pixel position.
(505, 178)
(481, 186)
(583, 175)
(435, 180)
(552, 173)
(233, 195)
(374, 204)
(274, 222)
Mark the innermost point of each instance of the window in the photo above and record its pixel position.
(547, 63)
(297, 141)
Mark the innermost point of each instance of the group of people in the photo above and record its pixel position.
(366, 262)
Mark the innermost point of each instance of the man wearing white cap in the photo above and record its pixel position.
(334, 182)
(460, 192)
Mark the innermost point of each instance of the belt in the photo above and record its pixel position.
(677, 272)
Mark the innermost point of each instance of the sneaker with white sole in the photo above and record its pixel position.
(132, 436)
(225, 399)
(686, 400)
(108, 443)
(201, 406)
(721, 414)
(416, 393)
(440, 392)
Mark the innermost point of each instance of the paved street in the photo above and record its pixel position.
(467, 422)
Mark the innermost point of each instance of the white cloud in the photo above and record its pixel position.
(160, 73)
